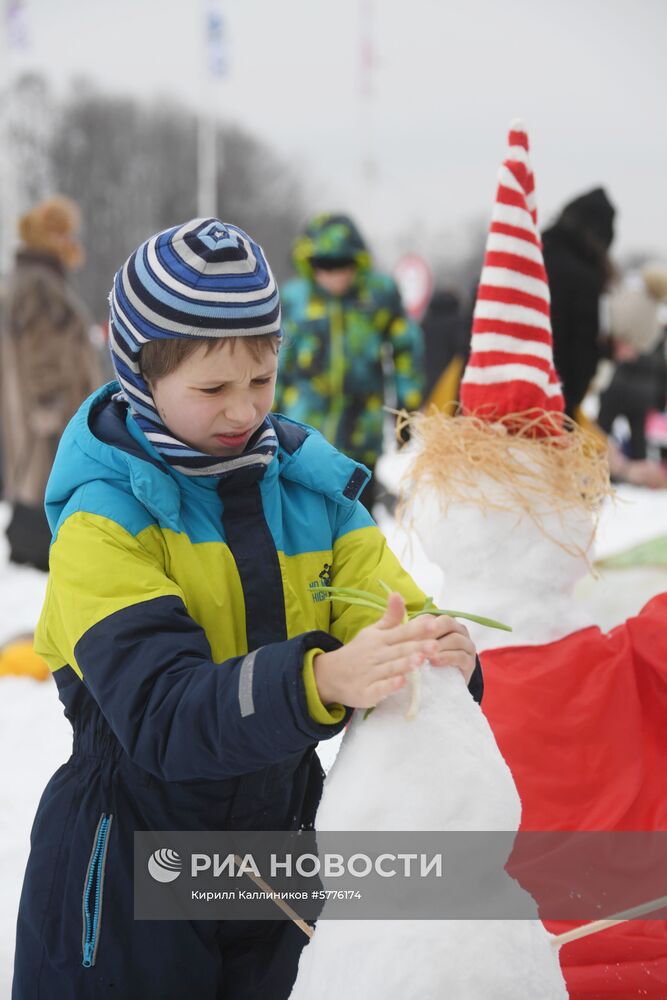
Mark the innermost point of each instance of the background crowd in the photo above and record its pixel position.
(351, 354)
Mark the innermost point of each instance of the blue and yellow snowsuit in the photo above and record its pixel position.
(331, 364)
(180, 623)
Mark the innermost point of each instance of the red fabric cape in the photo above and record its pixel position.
(582, 723)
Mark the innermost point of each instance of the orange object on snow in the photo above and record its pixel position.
(20, 659)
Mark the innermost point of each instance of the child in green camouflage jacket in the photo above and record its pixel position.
(342, 320)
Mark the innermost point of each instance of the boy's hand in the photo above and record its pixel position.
(374, 663)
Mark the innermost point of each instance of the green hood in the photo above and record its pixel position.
(330, 236)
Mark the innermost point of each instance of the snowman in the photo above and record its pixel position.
(506, 507)
(577, 713)
(443, 770)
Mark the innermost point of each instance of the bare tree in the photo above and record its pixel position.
(26, 128)
(31, 114)
(132, 168)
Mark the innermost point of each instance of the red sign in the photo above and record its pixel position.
(415, 283)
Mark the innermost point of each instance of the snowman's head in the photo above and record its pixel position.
(479, 540)
(489, 503)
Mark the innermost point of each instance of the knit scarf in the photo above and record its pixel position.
(257, 455)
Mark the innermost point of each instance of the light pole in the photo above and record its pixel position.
(209, 151)
(367, 61)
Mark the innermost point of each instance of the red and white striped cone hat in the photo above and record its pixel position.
(511, 368)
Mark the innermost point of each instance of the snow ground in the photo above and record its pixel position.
(35, 738)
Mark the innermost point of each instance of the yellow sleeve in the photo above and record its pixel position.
(361, 558)
(325, 715)
(96, 568)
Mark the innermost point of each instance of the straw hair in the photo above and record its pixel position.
(503, 466)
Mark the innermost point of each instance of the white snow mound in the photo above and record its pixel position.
(440, 771)
(430, 960)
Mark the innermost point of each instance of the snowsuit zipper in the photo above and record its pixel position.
(336, 370)
(93, 890)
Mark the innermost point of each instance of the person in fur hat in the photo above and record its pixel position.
(48, 367)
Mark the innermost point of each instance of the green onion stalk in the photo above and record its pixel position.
(379, 602)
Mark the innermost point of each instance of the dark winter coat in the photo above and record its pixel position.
(446, 336)
(178, 624)
(575, 251)
(636, 388)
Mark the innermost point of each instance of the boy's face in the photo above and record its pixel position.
(336, 281)
(214, 402)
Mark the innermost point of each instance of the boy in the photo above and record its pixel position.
(191, 534)
(344, 323)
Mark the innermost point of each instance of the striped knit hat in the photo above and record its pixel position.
(205, 278)
(511, 368)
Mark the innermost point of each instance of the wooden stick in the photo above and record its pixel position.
(414, 684)
(600, 925)
(285, 907)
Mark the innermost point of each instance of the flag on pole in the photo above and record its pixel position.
(366, 49)
(16, 24)
(216, 40)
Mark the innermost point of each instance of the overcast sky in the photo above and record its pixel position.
(589, 77)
